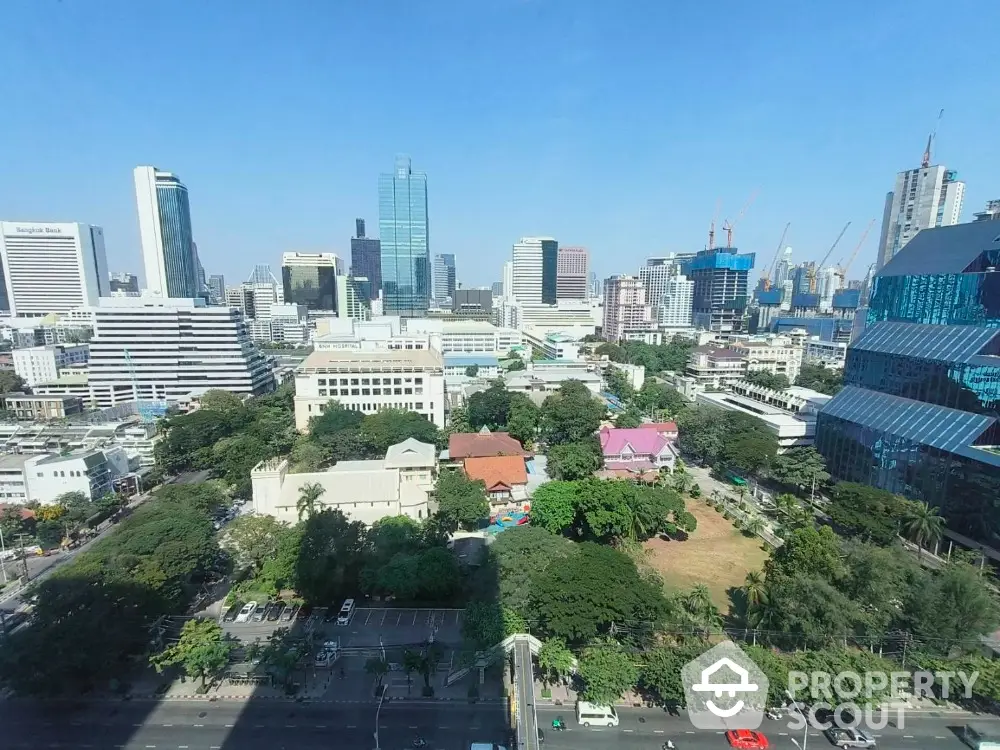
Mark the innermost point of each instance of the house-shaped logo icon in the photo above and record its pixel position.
(724, 689)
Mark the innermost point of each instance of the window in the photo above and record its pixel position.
(376, 391)
(322, 381)
(366, 391)
(397, 381)
(397, 391)
(418, 381)
(420, 404)
(365, 381)
(354, 381)
(343, 381)
(354, 392)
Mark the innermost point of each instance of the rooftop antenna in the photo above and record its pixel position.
(926, 162)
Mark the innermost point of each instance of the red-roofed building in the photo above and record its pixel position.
(484, 443)
(505, 476)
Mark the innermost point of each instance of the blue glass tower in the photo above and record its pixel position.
(720, 277)
(919, 411)
(168, 250)
(402, 220)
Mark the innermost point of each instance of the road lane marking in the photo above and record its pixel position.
(689, 732)
(321, 726)
(907, 736)
(168, 725)
(660, 731)
(352, 726)
(940, 738)
(229, 726)
(442, 727)
(628, 731)
(258, 726)
(199, 725)
(182, 747)
(413, 727)
(397, 617)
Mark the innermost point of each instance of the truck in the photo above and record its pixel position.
(485, 746)
(849, 737)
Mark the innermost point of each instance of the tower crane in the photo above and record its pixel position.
(769, 274)
(816, 269)
(728, 226)
(711, 227)
(857, 247)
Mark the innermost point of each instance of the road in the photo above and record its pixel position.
(40, 567)
(254, 726)
(527, 727)
(645, 728)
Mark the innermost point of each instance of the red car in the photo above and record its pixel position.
(745, 739)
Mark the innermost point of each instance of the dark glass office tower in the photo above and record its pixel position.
(366, 260)
(550, 271)
(721, 286)
(919, 411)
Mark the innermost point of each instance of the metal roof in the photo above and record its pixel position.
(933, 342)
(944, 249)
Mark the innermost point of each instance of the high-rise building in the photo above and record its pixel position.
(52, 268)
(405, 241)
(930, 196)
(310, 279)
(783, 268)
(217, 288)
(534, 271)
(157, 349)
(366, 260)
(676, 305)
(352, 298)
(124, 284)
(595, 285)
(168, 250)
(572, 272)
(655, 275)
(444, 277)
(496, 288)
(508, 279)
(918, 412)
(990, 213)
(720, 277)
(625, 307)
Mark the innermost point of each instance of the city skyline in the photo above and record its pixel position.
(492, 183)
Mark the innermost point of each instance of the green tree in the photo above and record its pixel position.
(516, 364)
(700, 432)
(631, 417)
(753, 452)
(11, 382)
(252, 539)
(471, 371)
(570, 461)
(282, 654)
(554, 506)
(461, 501)
(820, 378)
(571, 415)
(766, 379)
(334, 419)
(809, 551)
(555, 660)
(612, 351)
(490, 408)
(754, 589)
(618, 384)
(216, 399)
(660, 673)
(523, 418)
(412, 662)
(391, 426)
(865, 512)
(922, 524)
(953, 609)
(799, 467)
(202, 650)
(660, 398)
(607, 671)
(700, 611)
(308, 500)
(518, 558)
(331, 557)
(458, 420)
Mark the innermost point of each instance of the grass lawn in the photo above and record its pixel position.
(716, 554)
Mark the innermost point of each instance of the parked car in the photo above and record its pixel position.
(330, 613)
(276, 611)
(304, 612)
(289, 612)
(261, 613)
(232, 612)
(246, 612)
(848, 737)
(747, 739)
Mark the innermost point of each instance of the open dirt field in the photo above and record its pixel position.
(716, 554)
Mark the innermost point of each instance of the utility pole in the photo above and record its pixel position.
(3, 553)
(24, 557)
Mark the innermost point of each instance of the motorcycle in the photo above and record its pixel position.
(558, 725)
(669, 745)
(420, 742)
(773, 714)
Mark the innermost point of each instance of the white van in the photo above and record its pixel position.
(588, 714)
(346, 612)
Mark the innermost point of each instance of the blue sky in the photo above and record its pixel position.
(616, 126)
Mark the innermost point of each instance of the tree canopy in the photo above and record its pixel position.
(571, 415)
(461, 501)
(820, 378)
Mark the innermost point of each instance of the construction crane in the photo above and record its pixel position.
(711, 227)
(818, 267)
(728, 226)
(926, 161)
(769, 274)
(854, 252)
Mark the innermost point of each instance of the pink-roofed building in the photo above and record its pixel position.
(667, 429)
(636, 450)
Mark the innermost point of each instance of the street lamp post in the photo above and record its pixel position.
(3, 549)
(805, 720)
(377, 712)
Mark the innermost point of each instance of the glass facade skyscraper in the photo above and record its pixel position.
(720, 277)
(405, 244)
(366, 261)
(550, 272)
(919, 411)
(168, 250)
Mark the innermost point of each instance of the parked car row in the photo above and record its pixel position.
(252, 612)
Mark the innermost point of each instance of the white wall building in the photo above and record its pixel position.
(573, 273)
(366, 491)
(41, 364)
(52, 268)
(827, 353)
(171, 347)
(90, 472)
(625, 307)
(527, 269)
(368, 381)
(930, 196)
(677, 303)
(775, 354)
(556, 344)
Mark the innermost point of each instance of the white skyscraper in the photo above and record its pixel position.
(51, 268)
(169, 254)
(676, 304)
(508, 279)
(535, 265)
(930, 196)
(656, 276)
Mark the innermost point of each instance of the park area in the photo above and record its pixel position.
(717, 555)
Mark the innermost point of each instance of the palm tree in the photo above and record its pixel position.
(754, 525)
(923, 525)
(309, 494)
(754, 589)
(701, 610)
(412, 662)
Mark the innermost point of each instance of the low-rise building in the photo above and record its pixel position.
(791, 430)
(636, 450)
(714, 367)
(831, 354)
(91, 472)
(485, 365)
(40, 364)
(774, 354)
(40, 408)
(505, 477)
(554, 345)
(68, 385)
(463, 445)
(401, 484)
(368, 381)
(543, 382)
(13, 487)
